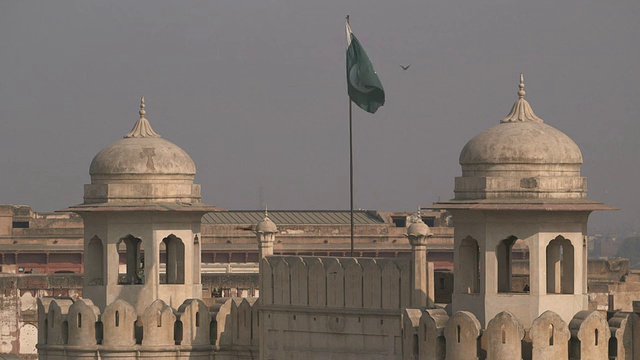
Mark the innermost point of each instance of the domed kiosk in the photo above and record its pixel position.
(520, 212)
(142, 216)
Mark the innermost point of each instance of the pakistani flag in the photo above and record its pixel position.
(364, 87)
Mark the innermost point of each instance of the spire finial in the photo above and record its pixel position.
(266, 211)
(521, 92)
(142, 112)
(142, 128)
(521, 110)
(418, 212)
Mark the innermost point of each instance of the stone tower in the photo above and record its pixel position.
(520, 208)
(142, 215)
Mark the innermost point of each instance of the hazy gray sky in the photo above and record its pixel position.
(254, 91)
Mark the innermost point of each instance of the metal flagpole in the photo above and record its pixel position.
(351, 169)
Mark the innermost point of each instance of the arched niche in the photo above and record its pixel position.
(131, 260)
(173, 259)
(560, 266)
(469, 267)
(513, 265)
(94, 260)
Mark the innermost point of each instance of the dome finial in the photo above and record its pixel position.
(142, 128)
(142, 112)
(521, 110)
(266, 211)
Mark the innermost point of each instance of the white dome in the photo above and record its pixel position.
(520, 158)
(142, 156)
(521, 143)
(142, 168)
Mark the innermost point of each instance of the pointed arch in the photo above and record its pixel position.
(131, 254)
(174, 259)
(469, 267)
(560, 266)
(94, 269)
(513, 265)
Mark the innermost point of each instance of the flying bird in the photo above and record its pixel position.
(405, 67)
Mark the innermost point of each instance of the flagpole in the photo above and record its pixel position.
(350, 154)
(351, 168)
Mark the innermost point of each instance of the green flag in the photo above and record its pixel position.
(364, 87)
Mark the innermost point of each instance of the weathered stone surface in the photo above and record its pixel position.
(462, 334)
(118, 321)
(550, 337)
(82, 318)
(158, 324)
(590, 335)
(625, 329)
(431, 337)
(504, 336)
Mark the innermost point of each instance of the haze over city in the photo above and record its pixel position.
(255, 92)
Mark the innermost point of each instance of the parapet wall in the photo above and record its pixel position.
(333, 308)
(336, 282)
(432, 334)
(77, 330)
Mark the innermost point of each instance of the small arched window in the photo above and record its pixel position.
(173, 259)
(560, 266)
(513, 265)
(131, 254)
(469, 257)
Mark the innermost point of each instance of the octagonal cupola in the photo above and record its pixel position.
(521, 157)
(142, 167)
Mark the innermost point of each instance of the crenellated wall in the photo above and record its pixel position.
(333, 307)
(78, 330)
(337, 282)
(431, 334)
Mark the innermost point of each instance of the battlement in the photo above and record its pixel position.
(336, 282)
(432, 334)
(77, 329)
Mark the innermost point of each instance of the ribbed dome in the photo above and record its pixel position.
(521, 143)
(418, 228)
(266, 225)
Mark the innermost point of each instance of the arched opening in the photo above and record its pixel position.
(469, 256)
(131, 264)
(560, 262)
(94, 273)
(174, 259)
(513, 265)
(79, 320)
